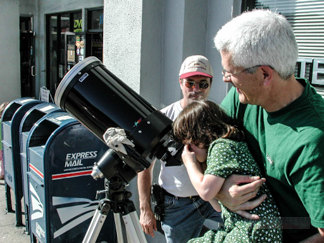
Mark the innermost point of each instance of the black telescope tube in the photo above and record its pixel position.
(99, 100)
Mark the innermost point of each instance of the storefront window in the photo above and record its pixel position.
(65, 22)
(77, 22)
(95, 19)
(95, 33)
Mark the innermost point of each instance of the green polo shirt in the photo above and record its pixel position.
(289, 146)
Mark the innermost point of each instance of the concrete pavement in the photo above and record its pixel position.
(9, 233)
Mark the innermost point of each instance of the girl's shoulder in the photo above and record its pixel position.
(227, 143)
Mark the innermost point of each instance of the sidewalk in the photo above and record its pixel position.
(9, 233)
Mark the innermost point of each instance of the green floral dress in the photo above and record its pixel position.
(226, 157)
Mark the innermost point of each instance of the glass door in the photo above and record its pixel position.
(52, 53)
(27, 57)
(65, 41)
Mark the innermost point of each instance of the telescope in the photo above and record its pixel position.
(134, 130)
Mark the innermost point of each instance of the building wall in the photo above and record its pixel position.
(122, 40)
(27, 7)
(9, 51)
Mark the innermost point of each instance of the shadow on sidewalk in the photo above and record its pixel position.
(9, 233)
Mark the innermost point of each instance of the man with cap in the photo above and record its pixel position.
(184, 211)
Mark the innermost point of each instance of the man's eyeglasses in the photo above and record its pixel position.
(229, 75)
(191, 84)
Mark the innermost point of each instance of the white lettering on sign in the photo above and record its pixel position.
(316, 72)
(75, 159)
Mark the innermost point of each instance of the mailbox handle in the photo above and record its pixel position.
(38, 181)
(32, 71)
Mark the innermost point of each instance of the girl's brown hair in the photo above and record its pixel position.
(202, 122)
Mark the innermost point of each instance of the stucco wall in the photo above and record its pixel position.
(9, 51)
(122, 40)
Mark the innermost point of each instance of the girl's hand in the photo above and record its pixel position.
(188, 156)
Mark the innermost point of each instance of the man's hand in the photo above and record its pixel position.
(236, 196)
(148, 222)
(317, 238)
(144, 182)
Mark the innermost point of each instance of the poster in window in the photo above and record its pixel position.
(71, 53)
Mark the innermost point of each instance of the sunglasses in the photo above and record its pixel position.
(191, 84)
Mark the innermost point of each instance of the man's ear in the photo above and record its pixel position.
(267, 73)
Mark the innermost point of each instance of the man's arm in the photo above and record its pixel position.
(318, 238)
(236, 196)
(144, 183)
(215, 204)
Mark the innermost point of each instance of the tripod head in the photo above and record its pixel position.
(118, 197)
(118, 172)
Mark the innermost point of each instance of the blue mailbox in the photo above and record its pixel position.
(11, 119)
(62, 193)
(28, 120)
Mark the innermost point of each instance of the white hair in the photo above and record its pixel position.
(260, 37)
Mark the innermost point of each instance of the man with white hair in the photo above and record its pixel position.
(283, 118)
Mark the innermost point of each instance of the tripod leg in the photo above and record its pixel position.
(134, 231)
(138, 227)
(96, 224)
(119, 231)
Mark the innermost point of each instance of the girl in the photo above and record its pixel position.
(209, 135)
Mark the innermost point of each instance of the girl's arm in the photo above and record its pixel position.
(207, 186)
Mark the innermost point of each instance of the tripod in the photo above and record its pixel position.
(117, 200)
